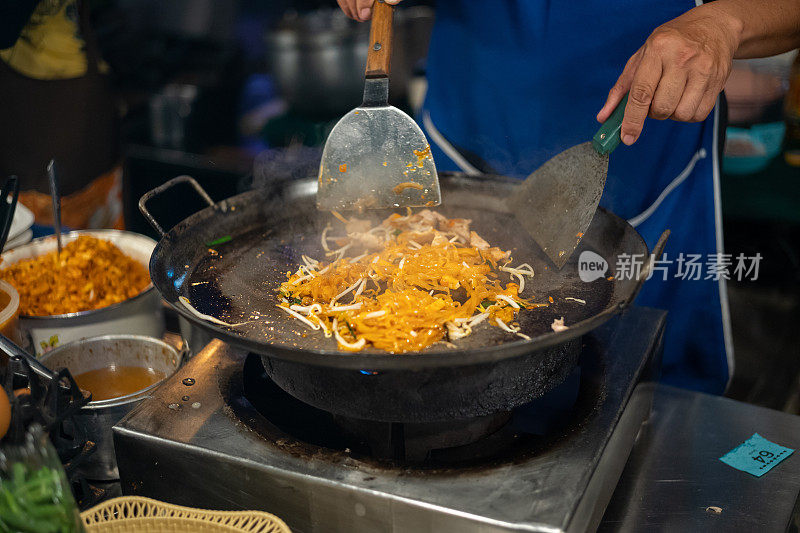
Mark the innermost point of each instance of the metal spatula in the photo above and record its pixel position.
(557, 202)
(377, 156)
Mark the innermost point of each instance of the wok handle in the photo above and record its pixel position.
(379, 53)
(658, 250)
(607, 137)
(146, 197)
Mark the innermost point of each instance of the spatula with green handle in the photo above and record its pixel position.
(556, 203)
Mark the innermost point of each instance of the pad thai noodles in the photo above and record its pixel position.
(89, 273)
(405, 284)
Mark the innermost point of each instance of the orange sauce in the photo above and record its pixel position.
(116, 381)
(422, 154)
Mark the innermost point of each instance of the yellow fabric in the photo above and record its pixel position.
(50, 46)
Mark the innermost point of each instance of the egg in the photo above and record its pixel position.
(5, 413)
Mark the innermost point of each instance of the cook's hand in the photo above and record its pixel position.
(678, 72)
(360, 10)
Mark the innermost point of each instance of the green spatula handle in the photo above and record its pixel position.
(607, 137)
(379, 53)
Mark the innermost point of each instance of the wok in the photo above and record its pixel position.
(267, 230)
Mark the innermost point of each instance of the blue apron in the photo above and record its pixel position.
(513, 82)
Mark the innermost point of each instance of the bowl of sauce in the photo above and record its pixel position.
(115, 381)
(119, 371)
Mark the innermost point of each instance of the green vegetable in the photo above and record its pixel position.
(36, 500)
(346, 323)
(221, 240)
(292, 299)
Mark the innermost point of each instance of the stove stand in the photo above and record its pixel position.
(205, 439)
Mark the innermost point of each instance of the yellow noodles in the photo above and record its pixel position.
(407, 284)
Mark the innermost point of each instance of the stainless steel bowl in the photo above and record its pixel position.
(98, 417)
(141, 315)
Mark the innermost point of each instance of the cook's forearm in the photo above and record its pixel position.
(763, 27)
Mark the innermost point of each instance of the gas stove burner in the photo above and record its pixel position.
(414, 443)
(249, 445)
(451, 443)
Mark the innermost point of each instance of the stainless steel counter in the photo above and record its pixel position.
(198, 441)
(674, 475)
(204, 445)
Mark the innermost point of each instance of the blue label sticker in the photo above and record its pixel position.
(756, 455)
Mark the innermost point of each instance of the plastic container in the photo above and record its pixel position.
(750, 150)
(35, 493)
(9, 311)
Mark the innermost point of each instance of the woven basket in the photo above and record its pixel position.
(132, 514)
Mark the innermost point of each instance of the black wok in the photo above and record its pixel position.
(489, 371)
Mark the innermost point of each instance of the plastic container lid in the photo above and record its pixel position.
(12, 308)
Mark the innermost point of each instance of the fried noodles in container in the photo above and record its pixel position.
(90, 273)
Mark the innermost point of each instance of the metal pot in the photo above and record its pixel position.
(318, 58)
(140, 315)
(98, 417)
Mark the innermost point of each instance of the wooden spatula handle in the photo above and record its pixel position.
(379, 54)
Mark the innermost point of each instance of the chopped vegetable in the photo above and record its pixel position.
(219, 241)
(36, 501)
